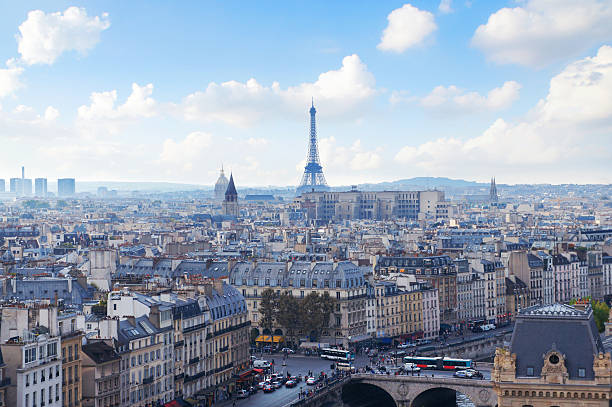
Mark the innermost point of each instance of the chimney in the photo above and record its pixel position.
(218, 285)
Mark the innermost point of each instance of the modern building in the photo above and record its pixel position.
(40, 187)
(2, 185)
(555, 358)
(324, 207)
(65, 187)
(230, 202)
(16, 186)
(221, 186)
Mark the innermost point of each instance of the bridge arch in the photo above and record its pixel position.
(359, 393)
(441, 396)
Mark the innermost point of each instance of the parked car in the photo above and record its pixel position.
(287, 350)
(261, 385)
(311, 381)
(242, 394)
(461, 374)
(290, 383)
(268, 388)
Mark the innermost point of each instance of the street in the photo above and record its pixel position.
(300, 365)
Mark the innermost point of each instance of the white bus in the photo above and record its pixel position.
(339, 355)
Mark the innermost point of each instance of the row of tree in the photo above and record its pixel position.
(309, 315)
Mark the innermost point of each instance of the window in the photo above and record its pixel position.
(529, 371)
(581, 372)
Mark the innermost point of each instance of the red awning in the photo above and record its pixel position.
(258, 370)
(172, 403)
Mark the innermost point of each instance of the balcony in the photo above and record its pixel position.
(194, 360)
(178, 344)
(148, 380)
(224, 349)
(5, 382)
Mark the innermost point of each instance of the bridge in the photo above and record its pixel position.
(403, 391)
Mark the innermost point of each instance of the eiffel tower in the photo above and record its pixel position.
(313, 178)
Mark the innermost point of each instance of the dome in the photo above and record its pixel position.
(221, 186)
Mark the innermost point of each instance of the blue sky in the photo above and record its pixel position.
(159, 91)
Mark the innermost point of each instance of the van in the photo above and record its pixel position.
(261, 364)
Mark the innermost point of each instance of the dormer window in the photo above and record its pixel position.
(529, 371)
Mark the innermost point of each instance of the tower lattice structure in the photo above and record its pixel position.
(313, 178)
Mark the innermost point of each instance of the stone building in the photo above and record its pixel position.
(72, 336)
(101, 367)
(556, 358)
(230, 202)
(221, 186)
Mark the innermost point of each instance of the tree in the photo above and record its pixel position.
(268, 308)
(600, 312)
(317, 310)
(289, 315)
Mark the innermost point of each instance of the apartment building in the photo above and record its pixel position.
(101, 366)
(72, 338)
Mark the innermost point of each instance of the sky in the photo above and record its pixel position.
(170, 91)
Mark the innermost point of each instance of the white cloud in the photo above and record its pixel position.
(254, 142)
(9, 78)
(138, 104)
(182, 154)
(44, 37)
(452, 98)
(408, 27)
(51, 113)
(563, 138)
(354, 157)
(543, 31)
(338, 92)
(445, 6)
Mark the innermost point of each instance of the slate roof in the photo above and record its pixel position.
(571, 331)
(100, 352)
(231, 188)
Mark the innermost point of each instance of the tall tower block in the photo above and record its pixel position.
(313, 178)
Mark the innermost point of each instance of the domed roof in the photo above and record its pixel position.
(221, 185)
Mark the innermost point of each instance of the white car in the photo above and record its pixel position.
(411, 367)
(288, 351)
(311, 381)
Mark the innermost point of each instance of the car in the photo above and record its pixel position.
(287, 350)
(461, 374)
(261, 385)
(473, 374)
(290, 383)
(311, 381)
(261, 364)
(296, 379)
(242, 394)
(411, 367)
(253, 358)
(268, 388)
(276, 384)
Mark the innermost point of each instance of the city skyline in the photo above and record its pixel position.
(449, 95)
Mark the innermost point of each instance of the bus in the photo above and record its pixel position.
(339, 355)
(437, 362)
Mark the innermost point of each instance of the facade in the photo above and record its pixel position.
(40, 187)
(2, 185)
(343, 280)
(33, 365)
(16, 186)
(101, 369)
(230, 202)
(517, 296)
(72, 337)
(562, 275)
(5, 382)
(65, 187)
(398, 312)
(555, 358)
(382, 205)
(431, 312)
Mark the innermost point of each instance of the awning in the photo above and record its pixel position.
(269, 339)
(258, 371)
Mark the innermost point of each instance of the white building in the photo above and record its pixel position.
(33, 364)
(431, 313)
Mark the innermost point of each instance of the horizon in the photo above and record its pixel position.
(402, 90)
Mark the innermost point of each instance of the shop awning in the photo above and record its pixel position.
(359, 338)
(269, 339)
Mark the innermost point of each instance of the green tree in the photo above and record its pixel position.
(268, 308)
(317, 310)
(289, 315)
(600, 312)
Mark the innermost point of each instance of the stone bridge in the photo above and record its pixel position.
(405, 389)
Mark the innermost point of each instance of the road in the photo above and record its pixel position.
(300, 365)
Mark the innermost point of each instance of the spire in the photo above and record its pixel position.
(222, 169)
(231, 188)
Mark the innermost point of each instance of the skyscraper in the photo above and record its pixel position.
(16, 186)
(26, 184)
(65, 187)
(40, 187)
(2, 185)
(313, 178)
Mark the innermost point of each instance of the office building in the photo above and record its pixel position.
(27, 186)
(16, 186)
(2, 185)
(40, 187)
(65, 187)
